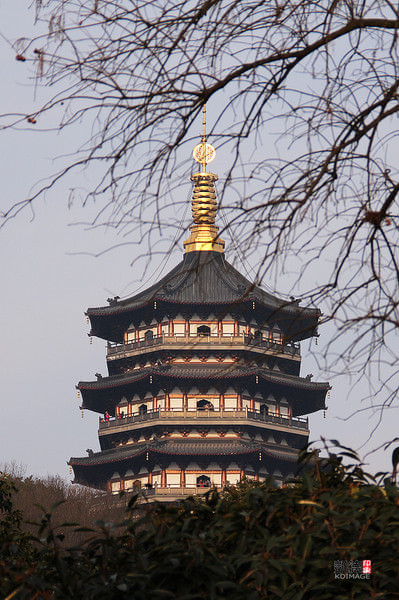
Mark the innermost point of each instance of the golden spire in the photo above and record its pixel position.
(204, 233)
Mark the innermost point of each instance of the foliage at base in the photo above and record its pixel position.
(252, 542)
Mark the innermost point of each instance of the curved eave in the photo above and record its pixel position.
(95, 470)
(155, 453)
(204, 279)
(305, 396)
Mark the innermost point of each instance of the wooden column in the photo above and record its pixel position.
(278, 409)
(220, 328)
(159, 330)
(150, 478)
(185, 402)
(136, 335)
(122, 485)
(171, 328)
(242, 474)
(224, 478)
(239, 402)
(187, 328)
(236, 328)
(252, 404)
(247, 330)
(154, 403)
(182, 478)
(163, 478)
(125, 337)
(167, 402)
(221, 402)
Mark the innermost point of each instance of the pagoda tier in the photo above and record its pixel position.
(154, 385)
(172, 468)
(246, 423)
(163, 351)
(202, 282)
(203, 384)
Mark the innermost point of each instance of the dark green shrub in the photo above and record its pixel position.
(249, 542)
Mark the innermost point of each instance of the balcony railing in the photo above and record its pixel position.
(206, 415)
(170, 490)
(201, 342)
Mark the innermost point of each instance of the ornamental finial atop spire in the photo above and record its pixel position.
(204, 153)
(204, 233)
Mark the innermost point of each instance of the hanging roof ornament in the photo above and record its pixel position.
(204, 233)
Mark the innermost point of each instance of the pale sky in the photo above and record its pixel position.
(51, 275)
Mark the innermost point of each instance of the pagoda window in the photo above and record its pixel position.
(228, 328)
(115, 486)
(258, 335)
(191, 403)
(149, 335)
(284, 409)
(216, 402)
(217, 478)
(179, 328)
(277, 337)
(230, 402)
(205, 405)
(233, 477)
(130, 336)
(173, 479)
(156, 476)
(246, 403)
(128, 485)
(176, 402)
(203, 331)
(203, 481)
(190, 479)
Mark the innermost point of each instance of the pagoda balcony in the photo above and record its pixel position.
(210, 417)
(195, 342)
(171, 493)
(168, 494)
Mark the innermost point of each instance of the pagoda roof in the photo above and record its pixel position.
(97, 469)
(204, 279)
(184, 447)
(308, 395)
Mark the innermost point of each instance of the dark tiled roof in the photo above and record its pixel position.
(201, 278)
(306, 396)
(206, 278)
(203, 371)
(192, 448)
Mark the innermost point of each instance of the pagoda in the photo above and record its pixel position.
(203, 385)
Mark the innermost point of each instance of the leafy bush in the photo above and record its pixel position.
(249, 542)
